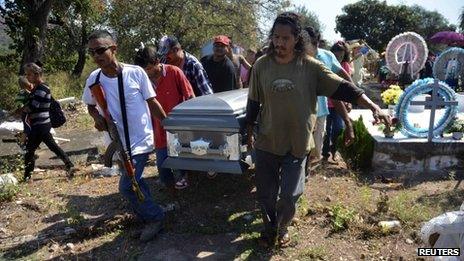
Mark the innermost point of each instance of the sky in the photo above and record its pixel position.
(327, 10)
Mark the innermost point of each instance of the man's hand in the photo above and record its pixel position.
(348, 106)
(100, 123)
(349, 134)
(381, 117)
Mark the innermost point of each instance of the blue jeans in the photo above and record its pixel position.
(333, 129)
(166, 175)
(147, 210)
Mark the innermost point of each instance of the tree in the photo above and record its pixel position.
(357, 22)
(72, 22)
(461, 20)
(309, 18)
(193, 22)
(431, 22)
(27, 25)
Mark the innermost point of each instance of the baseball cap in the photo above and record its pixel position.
(166, 43)
(222, 39)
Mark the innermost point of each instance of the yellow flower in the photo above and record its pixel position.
(391, 95)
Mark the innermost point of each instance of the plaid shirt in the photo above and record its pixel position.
(196, 75)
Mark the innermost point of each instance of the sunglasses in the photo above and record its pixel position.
(99, 50)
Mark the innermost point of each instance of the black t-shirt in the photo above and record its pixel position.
(221, 74)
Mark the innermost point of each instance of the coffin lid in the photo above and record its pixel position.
(224, 103)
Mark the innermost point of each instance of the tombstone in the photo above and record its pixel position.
(418, 152)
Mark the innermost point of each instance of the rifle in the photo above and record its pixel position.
(99, 95)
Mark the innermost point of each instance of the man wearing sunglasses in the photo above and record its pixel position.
(140, 105)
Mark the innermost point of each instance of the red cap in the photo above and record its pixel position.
(222, 39)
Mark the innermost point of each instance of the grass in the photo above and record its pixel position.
(406, 208)
(74, 217)
(11, 163)
(313, 253)
(61, 83)
(341, 217)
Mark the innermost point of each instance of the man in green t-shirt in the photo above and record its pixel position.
(284, 86)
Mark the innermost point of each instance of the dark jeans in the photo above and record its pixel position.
(37, 135)
(333, 129)
(279, 184)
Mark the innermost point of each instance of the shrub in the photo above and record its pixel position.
(8, 192)
(359, 154)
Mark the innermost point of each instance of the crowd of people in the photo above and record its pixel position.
(289, 82)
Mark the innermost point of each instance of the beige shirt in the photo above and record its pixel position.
(288, 96)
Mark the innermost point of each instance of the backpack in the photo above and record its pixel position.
(57, 117)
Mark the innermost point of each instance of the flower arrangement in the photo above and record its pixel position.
(390, 131)
(456, 126)
(392, 95)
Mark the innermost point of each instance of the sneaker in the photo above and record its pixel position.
(181, 184)
(151, 230)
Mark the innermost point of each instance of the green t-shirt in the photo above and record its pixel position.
(288, 97)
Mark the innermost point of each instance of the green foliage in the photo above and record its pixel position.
(62, 84)
(407, 210)
(193, 22)
(8, 192)
(9, 89)
(359, 154)
(309, 18)
(74, 217)
(11, 163)
(357, 22)
(456, 126)
(341, 217)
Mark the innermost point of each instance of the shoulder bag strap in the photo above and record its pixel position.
(122, 100)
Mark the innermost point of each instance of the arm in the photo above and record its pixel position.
(342, 111)
(244, 62)
(100, 123)
(252, 111)
(348, 92)
(155, 108)
(201, 80)
(184, 86)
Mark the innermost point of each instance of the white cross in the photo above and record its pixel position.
(434, 102)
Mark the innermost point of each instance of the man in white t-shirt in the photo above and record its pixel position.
(140, 103)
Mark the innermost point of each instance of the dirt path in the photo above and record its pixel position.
(86, 219)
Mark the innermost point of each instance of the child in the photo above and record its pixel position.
(38, 110)
(22, 99)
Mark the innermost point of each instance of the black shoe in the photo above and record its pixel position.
(150, 230)
(267, 239)
(27, 177)
(70, 170)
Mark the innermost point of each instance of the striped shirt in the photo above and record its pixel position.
(39, 106)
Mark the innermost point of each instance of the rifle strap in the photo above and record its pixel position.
(122, 100)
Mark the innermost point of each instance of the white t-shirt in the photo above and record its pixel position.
(137, 89)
